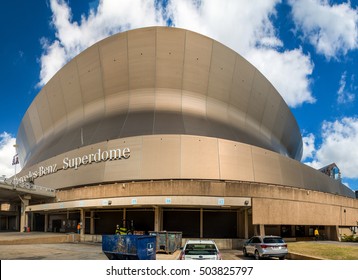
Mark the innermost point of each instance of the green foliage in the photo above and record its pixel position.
(349, 238)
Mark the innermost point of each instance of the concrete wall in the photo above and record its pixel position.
(271, 204)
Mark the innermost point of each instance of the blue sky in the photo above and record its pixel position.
(308, 49)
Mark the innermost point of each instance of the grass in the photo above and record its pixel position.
(324, 251)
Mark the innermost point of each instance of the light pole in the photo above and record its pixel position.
(15, 160)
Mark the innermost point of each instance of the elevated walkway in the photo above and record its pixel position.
(26, 188)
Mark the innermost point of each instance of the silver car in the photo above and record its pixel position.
(200, 250)
(265, 246)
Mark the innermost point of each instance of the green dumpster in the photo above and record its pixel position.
(167, 241)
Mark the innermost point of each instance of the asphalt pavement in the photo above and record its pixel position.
(34, 249)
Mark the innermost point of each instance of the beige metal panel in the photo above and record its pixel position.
(94, 111)
(235, 161)
(114, 62)
(44, 113)
(32, 125)
(142, 100)
(271, 109)
(28, 139)
(170, 58)
(199, 157)
(266, 166)
(168, 118)
(168, 100)
(141, 53)
(237, 118)
(309, 179)
(217, 110)
(71, 91)
(292, 139)
(197, 62)
(221, 72)
(198, 115)
(241, 85)
(291, 173)
(126, 169)
(89, 72)
(116, 104)
(280, 121)
(193, 104)
(23, 143)
(258, 97)
(161, 157)
(55, 99)
(85, 174)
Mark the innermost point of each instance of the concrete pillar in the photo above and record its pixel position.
(246, 223)
(337, 234)
(124, 214)
(92, 222)
(157, 218)
(83, 221)
(46, 222)
(17, 222)
(201, 223)
(293, 231)
(262, 229)
(23, 218)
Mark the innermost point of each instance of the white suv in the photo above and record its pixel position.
(200, 250)
(265, 246)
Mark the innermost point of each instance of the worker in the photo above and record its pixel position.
(79, 228)
(117, 229)
(316, 234)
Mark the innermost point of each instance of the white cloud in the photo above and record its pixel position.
(339, 145)
(309, 148)
(72, 37)
(331, 29)
(344, 93)
(239, 24)
(244, 26)
(288, 71)
(7, 151)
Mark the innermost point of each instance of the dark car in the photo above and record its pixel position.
(265, 246)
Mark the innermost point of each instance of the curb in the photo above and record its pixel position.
(295, 256)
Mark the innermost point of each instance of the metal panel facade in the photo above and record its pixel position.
(187, 106)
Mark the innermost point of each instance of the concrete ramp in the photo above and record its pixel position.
(15, 238)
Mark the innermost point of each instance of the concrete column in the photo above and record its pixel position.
(46, 222)
(124, 214)
(337, 233)
(246, 223)
(92, 222)
(262, 229)
(201, 223)
(293, 231)
(17, 222)
(23, 218)
(83, 221)
(157, 218)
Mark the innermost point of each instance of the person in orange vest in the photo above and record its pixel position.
(79, 228)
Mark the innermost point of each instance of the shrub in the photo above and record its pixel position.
(349, 238)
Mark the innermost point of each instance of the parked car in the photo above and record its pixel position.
(200, 250)
(265, 246)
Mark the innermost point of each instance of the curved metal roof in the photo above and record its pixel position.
(156, 80)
